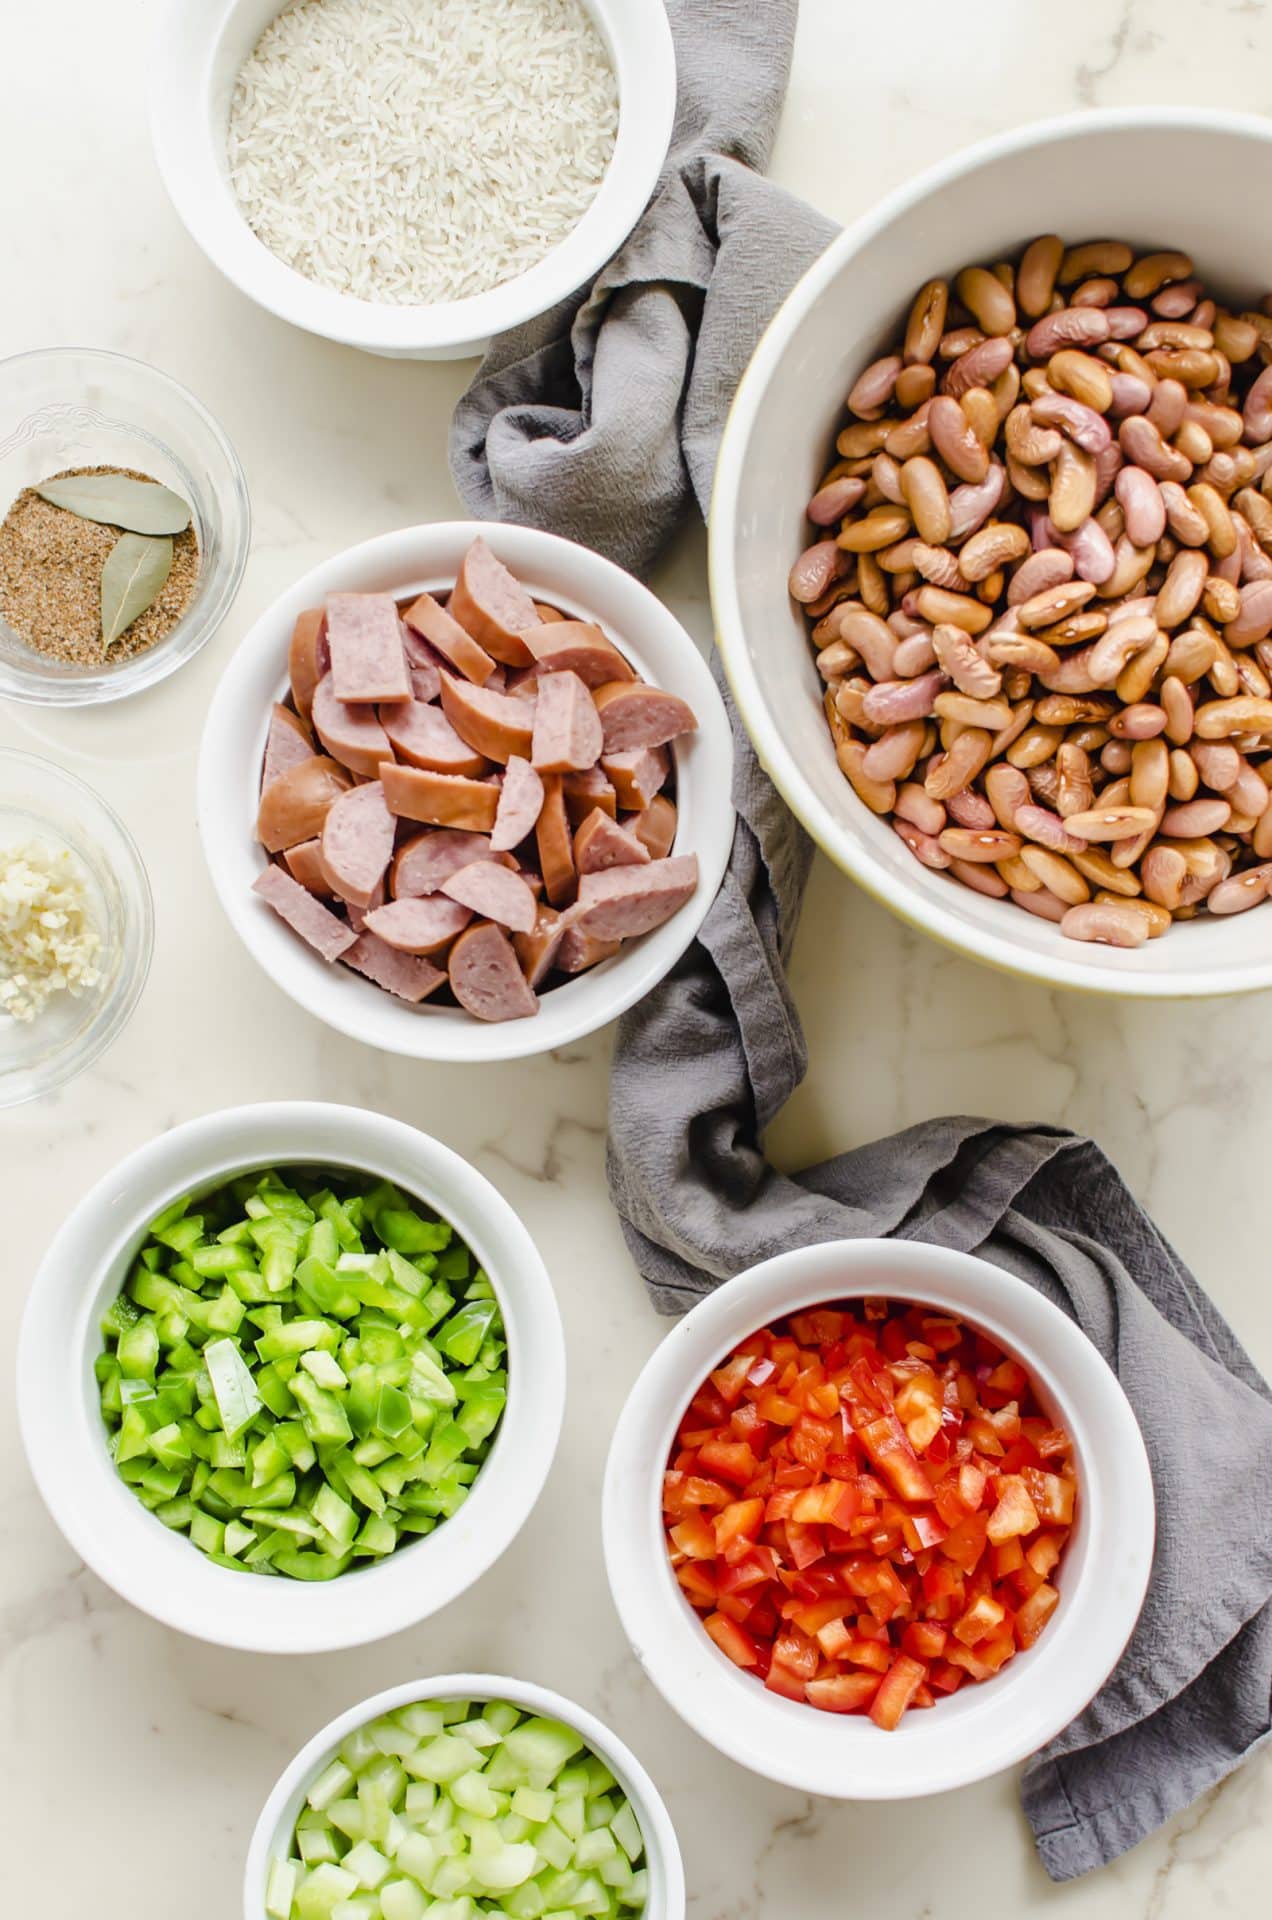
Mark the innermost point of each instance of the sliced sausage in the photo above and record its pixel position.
(443, 632)
(578, 951)
(294, 806)
(287, 743)
(485, 977)
(576, 646)
(493, 724)
(351, 734)
(358, 915)
(637, 774)
(367, 661)
(440, 799)
(537, 950)
(624, 901)
(424, 737)
(357, 843)
(492, 605)
(635, 715)
(308, 656)
(419, 926)
(520, 802)
(567, 728)
(407, 975)
(328, 936)
(546, 611)
(304, 863)
(493, 891)
(586, 790)
(600, 842)
(552, 837)
(422, 863)
(656, 827)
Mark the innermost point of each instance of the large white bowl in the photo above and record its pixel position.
(196, 58)
(278, 1816)
(65, 1438)
(979, 1730)
(1153, 176)
(584, 585)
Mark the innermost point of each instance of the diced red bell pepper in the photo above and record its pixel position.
(1052, 1496)
(896, 1690)
(980, 1620)
(730, 1460)
(736, 1528)
(693, 1536)
(886, 1443)
(835, 1503)
(1015, 1512)
(732, 1640)
(1033, 1616)
(842, 1692)
(925, 1639)
(965, 1543)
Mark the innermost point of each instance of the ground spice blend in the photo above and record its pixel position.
(51, 580)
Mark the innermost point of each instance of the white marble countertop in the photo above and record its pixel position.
(127, 1752)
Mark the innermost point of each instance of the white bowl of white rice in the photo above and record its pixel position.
(411, 177)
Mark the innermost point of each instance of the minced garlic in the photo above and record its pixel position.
(49, 938)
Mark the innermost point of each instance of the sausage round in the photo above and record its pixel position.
(494, 724)
(520, 803)
(624, 901)
(357, 843)
(424, 737)
(495, 892)
(485, 977)
(419, 926)
(294, 806)
(634, 715)
(351, 734)
(600, 842)
(567, 727)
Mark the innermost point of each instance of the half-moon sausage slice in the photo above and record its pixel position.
(578, 951)
(367, 661)
(424, 737)
(308, 656)
(294, 806)
(443, 632)
(556, 851)
(600, 842)
(426, 682)
(493, 724)
(351, 734)
(537, 949)
(287, 743)
(328, 936)
(576, 646)
(567, 730)
(304, 863)
(485, 977)
(495, 892)
(637, 775)
(492, 605)
(655, 828)
(586, 790)
(357, 843)
(520, 803)
(636, 715)
(422, 863)
(440, 799)
(624, 901)
(419, 926)
(407, 975)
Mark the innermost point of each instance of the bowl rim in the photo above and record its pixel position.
(114, 1014)
(247, 1613)
(641, 49)
(647, 1803)
(787, 1741)
(839, 845)
(148, 669)
(704, 767)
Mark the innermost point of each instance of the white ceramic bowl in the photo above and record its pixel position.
(980, 1729)
(278, 1816)
(195, 60)
(1153, 176)
(583, 584)
(65, 1439)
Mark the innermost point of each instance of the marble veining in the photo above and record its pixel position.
(157, 1750)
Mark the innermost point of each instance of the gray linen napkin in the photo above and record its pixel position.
(597, 422)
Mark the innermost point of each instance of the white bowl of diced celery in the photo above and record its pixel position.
(461, 1797)
(291, 1377)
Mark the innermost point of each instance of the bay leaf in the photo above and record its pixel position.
(142, 506)
(132, 580)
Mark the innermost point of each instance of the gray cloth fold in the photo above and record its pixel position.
(599, 421)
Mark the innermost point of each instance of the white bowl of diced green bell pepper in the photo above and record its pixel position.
(166, 1556)
(460, 1797)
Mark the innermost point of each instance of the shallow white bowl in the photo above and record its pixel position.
(584, 585)
(65, 1439)
(980, 1729)
(278, 1816)
(195, 61)
(1153, 176)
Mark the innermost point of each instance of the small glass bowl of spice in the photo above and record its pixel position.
(124, 526)
(76, 926)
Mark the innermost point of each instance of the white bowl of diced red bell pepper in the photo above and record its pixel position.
(144, 1516)
(878, 1519)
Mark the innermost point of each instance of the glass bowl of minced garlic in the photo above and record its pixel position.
(124, 526)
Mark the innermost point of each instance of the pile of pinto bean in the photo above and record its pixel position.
(1041, 589)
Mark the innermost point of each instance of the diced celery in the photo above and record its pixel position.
(626, 1831)
(443, 1758)
(596, 1846)
(419, 1856)
(367, 1864)
(280, 1888)
(554, 1846)
(533, 1803)
(570, 1816)
(321, 1889)
(402, 1900)
(329, 1785)
(237, 1399)
(363, 1906)
(317, 1844)
(542, 1745)
(475, 1795)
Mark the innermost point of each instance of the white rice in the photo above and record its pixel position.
(414, 151)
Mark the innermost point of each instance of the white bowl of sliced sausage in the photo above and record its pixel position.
(464, 791)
